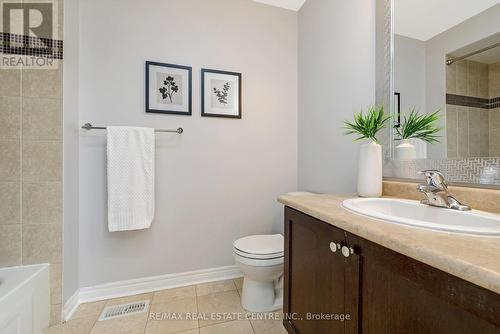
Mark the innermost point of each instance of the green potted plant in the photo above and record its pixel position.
(366, 127)
(417, 126)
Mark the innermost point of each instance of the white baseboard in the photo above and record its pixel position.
(70, 306)
(147, 284)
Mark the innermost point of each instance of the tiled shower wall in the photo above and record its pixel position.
(473, 110)
(31, 171)
(494, 82)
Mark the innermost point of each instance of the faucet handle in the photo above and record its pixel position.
(434, 178)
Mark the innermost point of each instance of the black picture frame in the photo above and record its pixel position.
(204, 113)
(189, 69)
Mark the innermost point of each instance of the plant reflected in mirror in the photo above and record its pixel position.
(419, 126)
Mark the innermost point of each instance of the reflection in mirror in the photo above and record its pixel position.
(446, 57)
(473, 100)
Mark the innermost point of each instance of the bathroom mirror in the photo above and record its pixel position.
(444, 55)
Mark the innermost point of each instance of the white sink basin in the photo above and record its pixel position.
(399, 211)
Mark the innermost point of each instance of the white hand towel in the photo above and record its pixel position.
(131, 161)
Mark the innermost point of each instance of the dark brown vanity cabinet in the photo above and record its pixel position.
(373, 289)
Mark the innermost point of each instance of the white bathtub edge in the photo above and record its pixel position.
(40, 267)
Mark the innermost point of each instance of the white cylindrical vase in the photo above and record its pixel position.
(405, 151)
(370, 170)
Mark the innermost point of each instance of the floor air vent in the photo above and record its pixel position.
(118, 311)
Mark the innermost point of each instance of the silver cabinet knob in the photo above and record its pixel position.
(333, 247)
(346, 251)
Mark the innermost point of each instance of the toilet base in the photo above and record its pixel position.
(260, 296)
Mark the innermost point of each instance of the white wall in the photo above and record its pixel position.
(476, 28)
(220, 179)
(70, 144)
(336, 78)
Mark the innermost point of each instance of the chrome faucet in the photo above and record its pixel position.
(436, 191)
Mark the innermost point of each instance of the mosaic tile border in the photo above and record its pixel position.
(470, 101)
(15, 44)
(465, 170)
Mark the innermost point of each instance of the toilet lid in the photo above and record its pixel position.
(270, 244)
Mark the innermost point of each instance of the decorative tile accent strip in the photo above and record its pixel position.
(470, 101)
(30, 46)
(465, 170)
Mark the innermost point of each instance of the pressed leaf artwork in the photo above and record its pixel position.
(170, 87)
(222, 94)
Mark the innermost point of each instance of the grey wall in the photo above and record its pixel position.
(336, 78)
(220, 179)
(472, 30)
(70, 151)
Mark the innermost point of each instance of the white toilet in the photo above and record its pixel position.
(260, 258)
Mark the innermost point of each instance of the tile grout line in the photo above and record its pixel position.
(197, 308)
(21, 211)
(95, 320)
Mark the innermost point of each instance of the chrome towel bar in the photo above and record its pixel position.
(88, 126)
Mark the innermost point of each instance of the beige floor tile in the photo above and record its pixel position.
(278, 328)
(166, 296)
(239, 283)
(225, 306)
(215, 287)
(89, 310)
(184, 311)
(130, 299)
(77, 326)
(132, 324)
(232, 327)
(191, 331)
(268, 323)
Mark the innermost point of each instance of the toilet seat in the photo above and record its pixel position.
(260, 247)
(258, 256)
(269, 262)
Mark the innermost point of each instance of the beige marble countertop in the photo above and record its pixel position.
(475, 259)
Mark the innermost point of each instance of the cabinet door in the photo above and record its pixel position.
(314, 275)
(402, 295)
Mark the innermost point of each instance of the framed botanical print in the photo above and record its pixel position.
(220, 93)
(168, 88)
